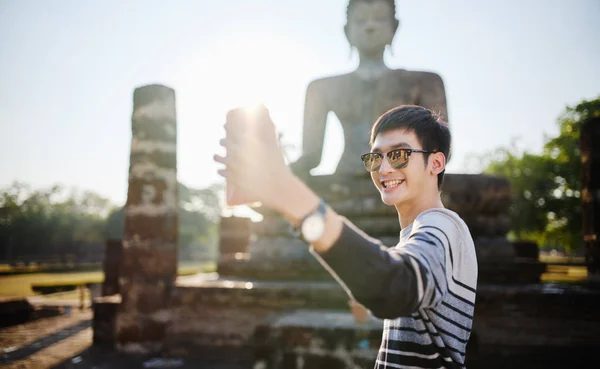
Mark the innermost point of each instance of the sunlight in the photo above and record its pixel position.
(241, 70)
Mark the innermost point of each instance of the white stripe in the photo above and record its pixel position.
(416, 354)
(392, 365)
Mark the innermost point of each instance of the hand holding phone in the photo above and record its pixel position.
(244, 126)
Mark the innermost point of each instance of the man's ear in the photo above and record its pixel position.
(438, 163)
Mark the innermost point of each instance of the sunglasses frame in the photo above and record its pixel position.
(389, 155)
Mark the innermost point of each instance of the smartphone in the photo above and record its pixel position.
(250, 121)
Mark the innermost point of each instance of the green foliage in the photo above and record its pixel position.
(48, 221)
(546, 205)
(51, 223)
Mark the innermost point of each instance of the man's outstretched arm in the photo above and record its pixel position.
(388, 281)
(385, 281)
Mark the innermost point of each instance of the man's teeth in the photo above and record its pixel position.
(394, 183)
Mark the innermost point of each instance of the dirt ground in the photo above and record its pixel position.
(64, 341)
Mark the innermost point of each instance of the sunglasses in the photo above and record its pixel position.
(398, 158)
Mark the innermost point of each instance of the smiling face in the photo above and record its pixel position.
(408, 185)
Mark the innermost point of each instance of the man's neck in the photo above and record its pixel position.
(408, 212)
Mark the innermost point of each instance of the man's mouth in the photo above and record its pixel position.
(392, 183)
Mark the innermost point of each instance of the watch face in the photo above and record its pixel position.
(313, 227)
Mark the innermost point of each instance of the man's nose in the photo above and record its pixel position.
(385, 167)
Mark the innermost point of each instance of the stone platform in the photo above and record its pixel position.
(207, 310)
(291, 324)
(309, 322)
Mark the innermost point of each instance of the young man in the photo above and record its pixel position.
(425, 286)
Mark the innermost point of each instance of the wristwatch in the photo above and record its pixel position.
(312, 226)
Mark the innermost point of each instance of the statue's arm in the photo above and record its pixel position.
(433, 94)
(313, 133)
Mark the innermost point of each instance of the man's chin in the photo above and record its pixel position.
(391, 200)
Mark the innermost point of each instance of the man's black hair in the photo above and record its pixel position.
(431, 131)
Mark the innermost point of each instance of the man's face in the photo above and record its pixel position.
(370, 26)
(400, 186)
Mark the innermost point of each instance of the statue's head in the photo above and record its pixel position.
(371, 24)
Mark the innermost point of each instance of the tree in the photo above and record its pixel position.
(199, 211)
(546, 205)
(51, 224)
(48, 224)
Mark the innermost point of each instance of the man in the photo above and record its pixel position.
(425, 286)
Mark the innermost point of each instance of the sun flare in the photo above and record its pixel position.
(241, 70)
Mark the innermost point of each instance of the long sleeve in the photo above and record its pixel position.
(395, 282)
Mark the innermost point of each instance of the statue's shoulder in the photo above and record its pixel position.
(416, 74)
(328, 83)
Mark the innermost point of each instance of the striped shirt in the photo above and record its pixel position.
(424, 288)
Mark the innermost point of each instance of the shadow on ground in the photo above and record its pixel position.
(101, 358)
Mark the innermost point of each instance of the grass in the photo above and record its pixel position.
(19, 285)
(561, 259)
(564, 273)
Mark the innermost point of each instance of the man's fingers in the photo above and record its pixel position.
(232, 149)
(220, 159)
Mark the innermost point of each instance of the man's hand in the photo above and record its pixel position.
(361, 313)
(255, 163)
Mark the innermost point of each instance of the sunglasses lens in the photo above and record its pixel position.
(372, 162)
(398, 158)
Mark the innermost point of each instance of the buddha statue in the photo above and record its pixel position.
(360, 97)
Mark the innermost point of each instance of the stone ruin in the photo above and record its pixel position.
(590, 203)
(271, 305)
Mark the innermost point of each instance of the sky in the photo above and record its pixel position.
(68, 69)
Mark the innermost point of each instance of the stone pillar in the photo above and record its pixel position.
(113, 256)
(150, 239)
(590, 194)
(234, 235)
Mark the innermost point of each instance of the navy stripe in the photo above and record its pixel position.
(461, 298)
(461, 340)
(464, 285)
(426, 241)
(440, 329)
(437, 334)
(457, 310)
(451, 321)
(423, 274)
(437, 286)
(451, 258)
(441, 245)
(434, 244)
(429, 349)
(455, 350)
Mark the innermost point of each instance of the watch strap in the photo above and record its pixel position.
(297, 231)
